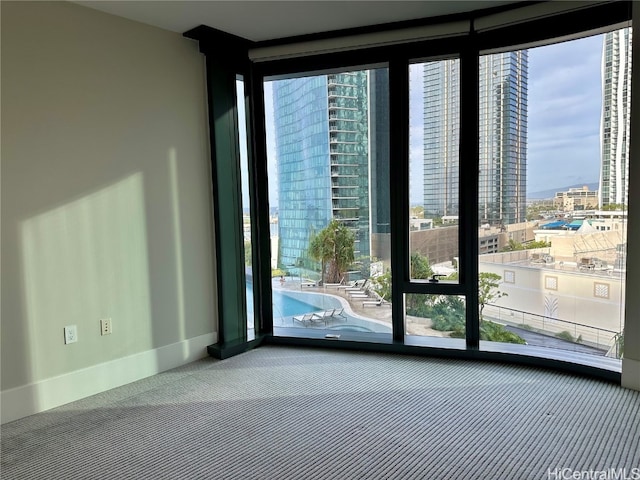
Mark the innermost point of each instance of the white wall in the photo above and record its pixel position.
(106, 203)
(562, 295)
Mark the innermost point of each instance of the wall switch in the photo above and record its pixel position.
(70, 334)
(105, 326)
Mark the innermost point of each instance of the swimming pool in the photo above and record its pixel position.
(288, 303)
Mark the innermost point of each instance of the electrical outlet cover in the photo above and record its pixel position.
(70, 334)
(105, 326)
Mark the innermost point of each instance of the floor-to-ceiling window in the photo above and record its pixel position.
(493, 183)
(434, 199)
(247, 227)
(554, 131)
(328, 162)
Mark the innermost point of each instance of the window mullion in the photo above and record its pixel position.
(399, 188)
(469, 153)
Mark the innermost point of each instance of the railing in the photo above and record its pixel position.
(600, 338)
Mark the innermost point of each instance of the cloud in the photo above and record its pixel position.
(564, 108)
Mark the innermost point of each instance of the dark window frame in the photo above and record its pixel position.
(468, 48)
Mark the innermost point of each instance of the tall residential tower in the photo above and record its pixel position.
(502, 136)
(322, 135)
(615, 122)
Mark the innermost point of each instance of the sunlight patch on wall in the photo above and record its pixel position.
(177, 238)
(84, 261)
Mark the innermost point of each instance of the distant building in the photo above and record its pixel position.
(420, 224)
(598, 234)
(493, 239)
(441, 138)
(441, 244)
(556, 294)
(615, 123)
(489, 243)
(576, 199)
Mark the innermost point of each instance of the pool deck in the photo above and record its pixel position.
(415, 326)
(354, 307)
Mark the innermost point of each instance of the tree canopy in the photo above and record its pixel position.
(614, 206)
(333, 247)
(447, 312)
(514, 245)
(420, 268)
(488, 291)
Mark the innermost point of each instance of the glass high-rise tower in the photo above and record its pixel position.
(615, 122)
(322, 149)
(441, 138)
(502, 137)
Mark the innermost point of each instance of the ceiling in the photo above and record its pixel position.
(268, 20)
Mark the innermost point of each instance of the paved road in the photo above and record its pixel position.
(539, 340)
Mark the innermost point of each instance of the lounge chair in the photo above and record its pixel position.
(307, 318)
(339, 312)
(359, 284)
(324, 316)
(349, 285)
(374, 303)
(334, 284)
(358, 294)
(308, 283)
(371, 303)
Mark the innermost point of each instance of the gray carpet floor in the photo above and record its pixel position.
(296, 413)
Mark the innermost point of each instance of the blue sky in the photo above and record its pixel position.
(564, 107)
(565, 102)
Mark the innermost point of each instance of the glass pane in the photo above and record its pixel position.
(328, 161)
(246, 205)
(554, 123)
(434, 122)
(434, 315)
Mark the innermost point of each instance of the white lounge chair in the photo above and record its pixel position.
(334, 284)
(358, 285)
(358, 294)
(339, 312)
(307, 318)
(374, 303)
(324, 316)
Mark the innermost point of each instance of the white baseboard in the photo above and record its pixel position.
(37, 397)
(631, 373)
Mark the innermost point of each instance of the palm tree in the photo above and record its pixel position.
(333, 247)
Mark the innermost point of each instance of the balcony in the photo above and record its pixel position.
(342, 175)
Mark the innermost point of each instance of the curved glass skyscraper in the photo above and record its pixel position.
(322, 150)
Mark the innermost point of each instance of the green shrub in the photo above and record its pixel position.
(565, 335)
(458, 333)
(619, 339)
(494, 332)
(277, 272)
(447, 314)
(446, 324)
